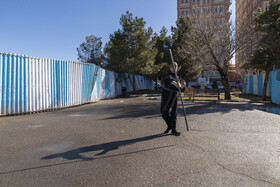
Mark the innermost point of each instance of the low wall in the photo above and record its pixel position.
(30, 84)
(254, 85)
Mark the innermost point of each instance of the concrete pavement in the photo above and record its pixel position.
(119, 143)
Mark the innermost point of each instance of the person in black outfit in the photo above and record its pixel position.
(169, 100)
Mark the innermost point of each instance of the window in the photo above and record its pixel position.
(183, 12)
(204, 11)
(221, 22)
(193, 11)
(221, 10)
(198, 1)
(193, 1)
(197, 11)
(182, 1)
(187, 12)
(216, 10)
(187, 1)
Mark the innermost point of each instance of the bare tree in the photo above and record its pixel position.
(213, 37)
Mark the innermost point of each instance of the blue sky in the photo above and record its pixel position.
(55, 28)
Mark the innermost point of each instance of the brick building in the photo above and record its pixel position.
(244, 27)
(203, 7)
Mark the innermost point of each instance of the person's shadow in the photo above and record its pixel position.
(104, 148)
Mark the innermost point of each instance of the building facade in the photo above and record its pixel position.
(203, 7)
(245, 34)
(220, 8)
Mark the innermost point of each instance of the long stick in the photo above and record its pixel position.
(174, 68)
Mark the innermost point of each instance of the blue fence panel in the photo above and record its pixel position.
(126, 84)
(112, 93)
(30, 84)
(260, 84)
(65, 83)
(251, 85)
(246, 85)
(87, 82)
(107, 84)
(269, 86)
(25, 84)
(98, 83)
(275, 87)
(130, 82)
(53, 85)
(116, 85)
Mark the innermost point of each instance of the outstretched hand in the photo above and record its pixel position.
(183, 83)
(179, 85)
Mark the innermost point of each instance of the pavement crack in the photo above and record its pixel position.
(242, 174)
(224, 167)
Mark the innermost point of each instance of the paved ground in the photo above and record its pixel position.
(118, 143)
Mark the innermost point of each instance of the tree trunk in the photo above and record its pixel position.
(265, 84)
(134, 83)
(187, 83)
(224, 78)
(226, 87)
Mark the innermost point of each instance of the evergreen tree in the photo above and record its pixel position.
(91, 51)
(185, 52)
(162, 59)
(131, 48)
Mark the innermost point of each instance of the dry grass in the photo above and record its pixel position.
(234, 97)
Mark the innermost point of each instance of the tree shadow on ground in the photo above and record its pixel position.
(147, 110)
(152, 110)
(104, 148)
(270, 108)
(212, 107)
(224, 108)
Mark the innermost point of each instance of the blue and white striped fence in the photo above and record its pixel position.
(254, 85)
(30, 84)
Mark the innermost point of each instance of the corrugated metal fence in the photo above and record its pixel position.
(30, 84)
(254, 85)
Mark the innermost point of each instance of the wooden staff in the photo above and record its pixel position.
(172, 60)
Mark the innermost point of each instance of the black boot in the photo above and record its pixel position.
(167, 130)
(169, 127)
(173, 127)
(175, 133)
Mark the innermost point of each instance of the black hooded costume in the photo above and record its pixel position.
(169, 101)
